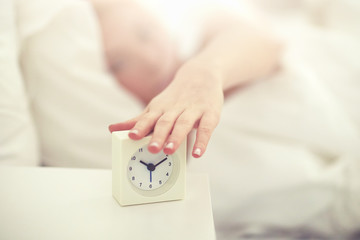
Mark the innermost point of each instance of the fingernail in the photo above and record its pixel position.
(134, 131)
(169, 145)
(197, 151)
(154, 145)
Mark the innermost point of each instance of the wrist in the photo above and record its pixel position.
(202, 72)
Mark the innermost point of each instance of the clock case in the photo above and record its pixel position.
(123, 148)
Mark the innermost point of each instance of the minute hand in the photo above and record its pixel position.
(161, 162)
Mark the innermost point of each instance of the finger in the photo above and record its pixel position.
(144, 125)
(123, 125)
(183, 125)
(162, 130)
(206, 127)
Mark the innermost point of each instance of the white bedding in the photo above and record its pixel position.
(285, 156)
(16, 125)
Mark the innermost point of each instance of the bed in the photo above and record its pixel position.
(284, 162)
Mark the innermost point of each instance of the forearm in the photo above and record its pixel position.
(238, 54)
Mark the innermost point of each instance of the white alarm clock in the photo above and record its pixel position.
(139, 176)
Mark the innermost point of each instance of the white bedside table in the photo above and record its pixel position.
(56, 203)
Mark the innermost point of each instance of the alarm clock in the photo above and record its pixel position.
(139, 176)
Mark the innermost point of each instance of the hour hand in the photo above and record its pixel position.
(141, 161)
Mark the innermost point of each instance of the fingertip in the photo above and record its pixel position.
(134, 134)
(169, 148)
(168, 152)
(110, 128)
(197, 153)
(154, 147)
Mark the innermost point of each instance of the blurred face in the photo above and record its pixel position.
(138, 50)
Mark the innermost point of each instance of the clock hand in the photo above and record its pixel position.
(141, 161)
(161, 162)
(151, 167)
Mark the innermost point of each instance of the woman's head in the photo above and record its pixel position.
(138, 50)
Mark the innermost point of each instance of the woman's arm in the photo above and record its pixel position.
(233, 53)
(237, 52)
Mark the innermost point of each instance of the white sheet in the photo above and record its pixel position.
(285, 160)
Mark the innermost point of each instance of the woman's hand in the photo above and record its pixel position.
(192, 100)
(230, 57)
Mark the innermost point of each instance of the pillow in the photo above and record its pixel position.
(73, 98)
(18, 142)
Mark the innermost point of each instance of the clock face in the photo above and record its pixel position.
(148, 171)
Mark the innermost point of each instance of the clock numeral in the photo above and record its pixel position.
(169, 163)
(160, 182)
(130, 168)
(133, 178)
(133, 158)
(140, 149)
(140, 184)
(167, 174)
(150, 186)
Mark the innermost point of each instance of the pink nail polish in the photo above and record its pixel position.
(197, 152)
(154, 145)
(134, 131)
(169, 146)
